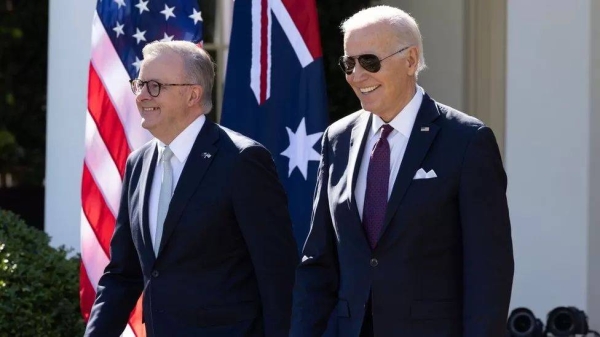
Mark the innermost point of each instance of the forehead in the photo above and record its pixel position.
(371, 38)
(164, 66)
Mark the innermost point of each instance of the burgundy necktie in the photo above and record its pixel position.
(376, 194)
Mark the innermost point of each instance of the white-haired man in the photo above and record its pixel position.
(410, 233)
(203, 227)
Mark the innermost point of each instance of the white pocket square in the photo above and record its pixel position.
(421, 174)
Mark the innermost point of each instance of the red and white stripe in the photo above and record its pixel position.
(305, 40)
(112, 130)
(260, 70)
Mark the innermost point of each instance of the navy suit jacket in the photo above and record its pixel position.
(443, 265)
(227, 257)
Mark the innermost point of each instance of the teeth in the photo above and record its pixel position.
(368, 89)
(149, 109)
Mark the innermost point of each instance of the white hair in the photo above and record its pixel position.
(198, 65)
(404, 25)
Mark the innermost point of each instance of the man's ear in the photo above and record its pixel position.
(412, 60)
(195, 95)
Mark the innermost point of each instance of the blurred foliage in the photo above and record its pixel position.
(342, 100)
(39, 284)
(23, 68)
(10, 151)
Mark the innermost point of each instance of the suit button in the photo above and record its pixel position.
(374, 262)
(155, 273)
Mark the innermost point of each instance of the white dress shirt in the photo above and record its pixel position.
(398, 139)
(181, 147)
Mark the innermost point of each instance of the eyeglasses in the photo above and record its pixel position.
(152, 86)
(368, 62)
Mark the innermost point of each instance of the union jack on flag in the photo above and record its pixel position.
(120, 29)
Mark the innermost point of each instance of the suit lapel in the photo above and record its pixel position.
(358, 139)
(416, 149)
(202, 154)
(148, 167)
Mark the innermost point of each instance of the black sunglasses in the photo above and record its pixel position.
(368, 62)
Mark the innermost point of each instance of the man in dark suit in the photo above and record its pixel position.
(203, 227)
(410, 234)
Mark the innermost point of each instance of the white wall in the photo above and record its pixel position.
(441, 23)
(69, 46)
(594, 172)
(548, 149)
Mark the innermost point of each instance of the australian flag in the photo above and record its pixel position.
(275, 92)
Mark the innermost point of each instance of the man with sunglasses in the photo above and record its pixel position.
(203, 228)
(410, 233)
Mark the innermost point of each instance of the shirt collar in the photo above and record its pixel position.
(182, 144)
(404, 121)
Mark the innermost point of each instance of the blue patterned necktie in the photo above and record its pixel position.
(376, 194)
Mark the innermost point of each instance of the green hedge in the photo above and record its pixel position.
(39, 285)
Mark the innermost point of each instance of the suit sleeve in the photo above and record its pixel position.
(121, 284)
(317, 276)
(260, 206)
(488, 264)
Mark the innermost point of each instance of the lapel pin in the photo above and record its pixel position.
(425, 128)
(206, 155)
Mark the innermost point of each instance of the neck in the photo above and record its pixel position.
(403, 102)
(177, 128)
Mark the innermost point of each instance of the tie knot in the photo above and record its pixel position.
(386, 129)
(167, 154)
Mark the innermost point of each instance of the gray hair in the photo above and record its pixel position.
(404, 25)
(198, 65)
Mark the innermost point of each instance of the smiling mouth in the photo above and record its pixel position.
(368, 89)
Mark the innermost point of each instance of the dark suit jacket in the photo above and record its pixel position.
(227, 256)
(443, 265)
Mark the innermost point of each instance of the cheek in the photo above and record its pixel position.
(349, 80)
(390, 82)
(351, 83)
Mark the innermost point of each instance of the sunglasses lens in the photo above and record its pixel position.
(347, 64)
(369, 63)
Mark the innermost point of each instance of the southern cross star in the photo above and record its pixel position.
(301, 149)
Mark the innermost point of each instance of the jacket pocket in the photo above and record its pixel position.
(228, 314)
(435, 309)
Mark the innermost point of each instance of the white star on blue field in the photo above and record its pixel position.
(301, 149)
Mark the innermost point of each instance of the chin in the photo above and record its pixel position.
(369, 108)
(146, 125)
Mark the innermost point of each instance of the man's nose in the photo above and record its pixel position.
(143, 95)
(359, 73)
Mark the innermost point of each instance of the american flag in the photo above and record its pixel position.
(120, 29)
